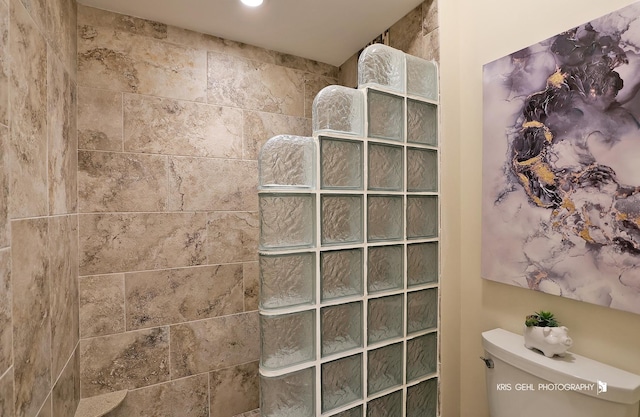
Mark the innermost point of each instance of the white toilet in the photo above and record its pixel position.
(525, 383)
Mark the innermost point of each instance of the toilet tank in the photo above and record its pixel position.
(525, 383)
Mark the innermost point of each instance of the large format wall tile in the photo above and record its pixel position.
(124, 361)
(157, 298)
(37, 10)
(28, 142)
(312, 86)
(111, 243)
(234, 390)
(212, 344)
(254, 85)
(110, 181)
(4, 187)
(31, 319)
(58, 27)
(5, 310)
(251, 280)
(101, 305)
(173, 127)
(232, 237)
(406, 34)
(66, 391)
(6, 394)
(306, 65)
(259, 127)
(212, 184)
(99, 119)
(101, 18)
(4, 63)
(429, 16)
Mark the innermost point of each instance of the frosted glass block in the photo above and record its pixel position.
(388, 406)
(422, 170)
(287, 161)
(422, 78)
(286, 221)
(339, 109)
(384, 218)
(341, 219)
(287, 280)
(384, 318)
(385, 167)
(422, 399)
(384, 368)
(422, 263)
(386, 115)
(341, 163)
(385, 268)
(352, 412)
(341, 382)
(422, 310)
(341, 273)
(341, 328)
(422, 356)
(422, 123)
(290, 395)
(382, 65)
(422, 217)
(287, 339)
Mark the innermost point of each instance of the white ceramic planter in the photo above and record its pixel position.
(549, 340)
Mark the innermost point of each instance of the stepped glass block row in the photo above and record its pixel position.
(349, 250)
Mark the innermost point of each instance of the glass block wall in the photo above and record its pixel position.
(349, 250)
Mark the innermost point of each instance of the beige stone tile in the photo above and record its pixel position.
(124, 361)
(432, 46)
(312, 85)
(6, 394)
(254, 85)
(175, 127)
(234, 390)
(91, 16)
(101, 305)
(406, 34)
(73, 40)
(63, 270)
(429, 16)
(37, 10)
(208, 345)
(251, 278)
(31, 319)
(6, 358)
(157, 298)
(62, 140)
(212, 184)
(306, 65)
(99, 119)
(111, 243)
(253, 413)
(46, 410)
(349, 72)
(232, 237)
(259, 127)
(4, 64)
(28, 139)
(121, 61)
(66, 391)
(109, 181)
(5, 228)
(58, 28)
(186, 397)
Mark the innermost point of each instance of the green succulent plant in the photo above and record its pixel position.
(541, 319)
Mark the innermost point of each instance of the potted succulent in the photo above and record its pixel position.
(543, 332)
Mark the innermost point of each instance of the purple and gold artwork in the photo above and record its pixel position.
(561, 164)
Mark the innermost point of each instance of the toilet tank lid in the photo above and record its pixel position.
(622, 386)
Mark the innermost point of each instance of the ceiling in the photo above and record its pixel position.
(328, 31)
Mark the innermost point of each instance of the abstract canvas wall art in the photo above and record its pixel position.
(561, 164)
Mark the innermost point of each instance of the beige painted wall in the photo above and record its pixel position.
(472, 34)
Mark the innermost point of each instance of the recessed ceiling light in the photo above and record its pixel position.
(252, 3)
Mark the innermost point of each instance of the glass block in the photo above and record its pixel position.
(286, 221)
(422, 123)
(388, 406)
(386, 115)
(341, 328)
(341, 382)
(287, 280)
(422, 399)
(341, 163)
(384, 318)
(352, 412)
(422, 78)
(422, 356)
(385, 268)
(341, 273)
(382, 65)
(287, 339)
(384, 218)
(422, 310)
(287, 161)
(422, 170)
(384, 368)
(290, 395)
(422, 263)
(422, 217)
(385, 167)
(341, 219)
(338, 109)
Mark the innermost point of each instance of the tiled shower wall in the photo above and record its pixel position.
(170, 123)
(39, 365)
